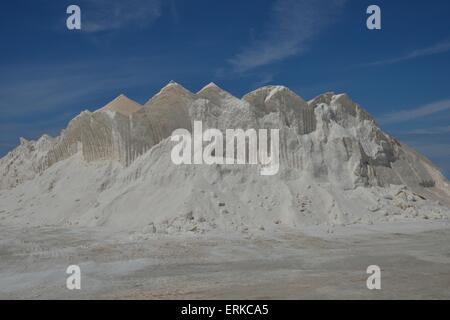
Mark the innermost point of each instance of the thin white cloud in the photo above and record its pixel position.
(49, 87)
(422, 111)
(437, 48)
(34, 96)
(264, 79)
(291, 25)
(107, 15)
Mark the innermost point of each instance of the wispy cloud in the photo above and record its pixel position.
(291, 25)
(437, 48)
(33, 93)
(411, 114)
(49, 87)
(264, 79)
(107, 15)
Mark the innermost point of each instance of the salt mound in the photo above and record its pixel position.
(336, 167)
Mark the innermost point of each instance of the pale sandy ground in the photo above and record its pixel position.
(308, 264)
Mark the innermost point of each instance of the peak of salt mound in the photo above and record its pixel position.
(271, 92)
(121, 104)
(267, 89)
(23, 141)
(331, 97)
(272, 98)
(218, 96)
(173, 84)
(345, 102)
(171, 89)
(210, 86)
(322, 98)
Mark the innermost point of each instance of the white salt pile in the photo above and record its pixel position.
(112, 168)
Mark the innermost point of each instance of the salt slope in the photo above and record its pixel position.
(338, 167)
(154, 196)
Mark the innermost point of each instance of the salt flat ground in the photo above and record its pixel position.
(304, 264)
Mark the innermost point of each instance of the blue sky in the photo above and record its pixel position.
(400, 74)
